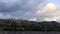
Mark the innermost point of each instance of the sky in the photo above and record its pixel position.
(32, 10)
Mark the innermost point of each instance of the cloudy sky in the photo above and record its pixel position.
(33, 10)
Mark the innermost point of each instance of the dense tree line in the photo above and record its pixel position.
(24, 25)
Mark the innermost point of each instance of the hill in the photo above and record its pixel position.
(24, 25)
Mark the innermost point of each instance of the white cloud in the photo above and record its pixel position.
(51, 19)
(32, 19)
(49, 12)
(50, 7)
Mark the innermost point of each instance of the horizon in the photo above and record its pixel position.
(29, 20)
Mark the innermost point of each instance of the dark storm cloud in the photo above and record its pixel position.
(14, 6)
(19, 8)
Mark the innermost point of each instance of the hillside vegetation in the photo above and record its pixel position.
(24, 25)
